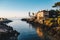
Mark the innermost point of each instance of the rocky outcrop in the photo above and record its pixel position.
(7, 32)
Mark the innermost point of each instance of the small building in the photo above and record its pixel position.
(42, 15)
(47, 17)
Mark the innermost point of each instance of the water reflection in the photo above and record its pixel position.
(35, 31)
(47, 33)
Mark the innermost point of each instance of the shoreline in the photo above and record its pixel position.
(7, 31)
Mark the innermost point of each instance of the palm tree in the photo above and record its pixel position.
(29, 14)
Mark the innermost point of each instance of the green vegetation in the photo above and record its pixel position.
(57, 5)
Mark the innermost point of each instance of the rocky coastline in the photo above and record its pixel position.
(48, 33)
(7, 32)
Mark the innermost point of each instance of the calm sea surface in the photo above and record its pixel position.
(26, 30)
(34, 31)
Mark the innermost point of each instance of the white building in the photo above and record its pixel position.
(42, 15)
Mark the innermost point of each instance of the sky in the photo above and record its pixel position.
(20, 8)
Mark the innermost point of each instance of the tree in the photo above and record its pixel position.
(29, 14)
(57, 5)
